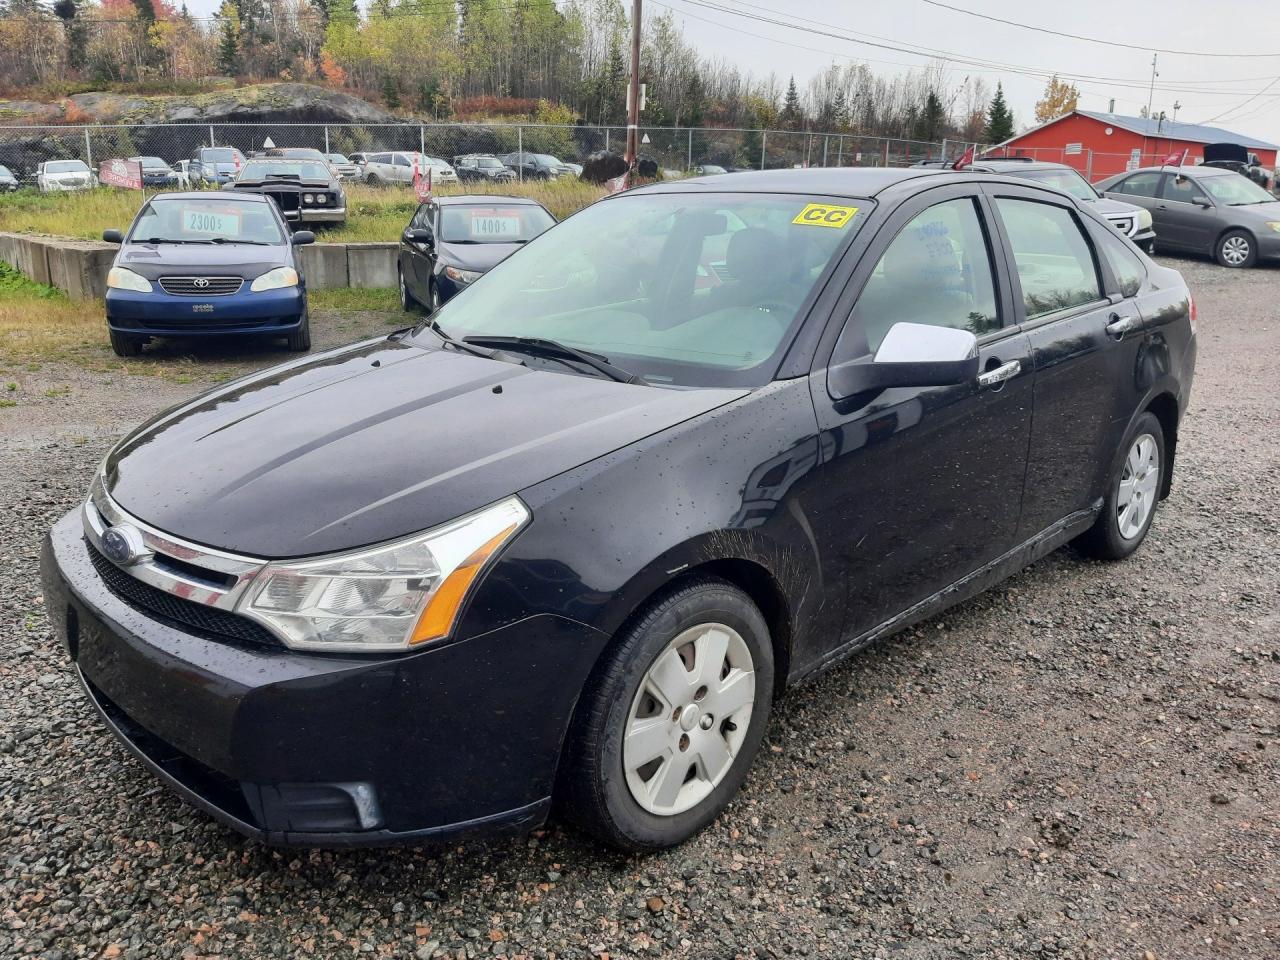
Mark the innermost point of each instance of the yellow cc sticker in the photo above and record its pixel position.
(824, 215)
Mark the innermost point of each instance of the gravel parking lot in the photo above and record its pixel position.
(1084, 762)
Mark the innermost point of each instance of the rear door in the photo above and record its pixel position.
(920, 487)
(1187, 214)
(401, 168)
(1085, 337)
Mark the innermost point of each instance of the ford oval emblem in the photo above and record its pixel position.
(122, 544)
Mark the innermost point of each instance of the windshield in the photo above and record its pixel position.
(1234, 190)
(300, 169)
(66, 166)
(546, 159)
(712, 168)
(685, 289)
(1068, 181)
(152, 163)
(337, 158)
(4, 171)
(493, 223)
(436, 162)
(219, 155)
(202, 220)
(488, 162)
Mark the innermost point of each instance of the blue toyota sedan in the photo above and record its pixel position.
(195, 264)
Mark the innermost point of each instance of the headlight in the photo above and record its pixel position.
(462, 276)
(275, 279)
(120, 278)
(1274, 225)
(1144, 219)
(321, 197)
(307, 198)
(392, 597)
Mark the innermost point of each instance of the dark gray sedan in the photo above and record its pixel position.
(1204, 210)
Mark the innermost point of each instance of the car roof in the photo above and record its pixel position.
(1183, 171)
(218, 195)
(462, 199)
(1001, 164)
(831, 181)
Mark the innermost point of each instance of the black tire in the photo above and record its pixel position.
(299, 341)
(435, 303)
(373, 180)
(125, 345)
(1231, 244)
(1105, 540)
(407, 301)
(593, 791)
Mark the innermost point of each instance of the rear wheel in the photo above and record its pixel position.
(1236, 248)
(125, 345)
(667, 729)
(407, 302)
(372, 180)
(299, 340)
(435, 297)
(1133, 492)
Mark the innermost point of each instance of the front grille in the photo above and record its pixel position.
(201, 286)
(286, 200)
(178, 612)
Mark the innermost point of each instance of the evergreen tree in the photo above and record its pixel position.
(999, 126)
(792, 116)
(932, 119)
(228, 38)
(146, 10)
(74, 31)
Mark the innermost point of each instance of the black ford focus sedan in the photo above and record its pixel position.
(566, 541)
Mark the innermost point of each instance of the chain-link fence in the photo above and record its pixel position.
(677, 150)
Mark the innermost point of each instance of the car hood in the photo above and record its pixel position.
(1259, 212)
(1114, 208)
(373, 442)
(476, 256)
(166, 259)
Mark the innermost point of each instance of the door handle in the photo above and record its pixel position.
(996, 377)
(1119, 326)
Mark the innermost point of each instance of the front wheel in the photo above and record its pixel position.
(299, 341)
(372, 180)
(668, 727)
(1132, 494)
(124, 345)
(1236, 248)
(435, 297)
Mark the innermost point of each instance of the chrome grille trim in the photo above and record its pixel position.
(101, 512)
(190, 286)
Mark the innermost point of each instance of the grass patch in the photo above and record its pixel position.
(374, 214)
(347, 300)
(37, 321)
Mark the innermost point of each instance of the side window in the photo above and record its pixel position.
(1182, 190)
(1124, 262)
(936, 271)
(402, 160)
(1055, 264)
(1139, 185)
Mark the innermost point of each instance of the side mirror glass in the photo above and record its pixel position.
(1201, 202)
(911, 355)
(112, 236)
(418, 235)
(301, 237)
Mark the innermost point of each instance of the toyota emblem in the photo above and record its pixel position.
(200, 282)
(123, 545)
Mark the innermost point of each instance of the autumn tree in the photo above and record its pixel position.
(1059, 99)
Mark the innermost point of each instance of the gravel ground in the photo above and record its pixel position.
(1084, 762)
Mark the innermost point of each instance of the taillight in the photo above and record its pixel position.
(1192, 300)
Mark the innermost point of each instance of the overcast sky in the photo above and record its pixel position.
(1214, 90)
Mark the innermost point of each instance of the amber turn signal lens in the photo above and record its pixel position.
(437, 619)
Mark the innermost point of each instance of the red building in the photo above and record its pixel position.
(1102, 144)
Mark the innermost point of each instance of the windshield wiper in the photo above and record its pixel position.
(170, 240)
(559, 351)
(464, 345)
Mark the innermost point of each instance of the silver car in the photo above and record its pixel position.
(1204, 210)
(1131, 220)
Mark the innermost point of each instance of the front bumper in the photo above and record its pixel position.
(322, 214)
(160, 314)
(315, 750)
(1268, 244)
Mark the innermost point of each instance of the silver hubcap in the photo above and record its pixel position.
(404, 291)
(688, 719)
(1138, 486)
(1235, 250)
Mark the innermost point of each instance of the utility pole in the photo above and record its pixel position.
(633, 89)
(1151, 94)
(1176, 107)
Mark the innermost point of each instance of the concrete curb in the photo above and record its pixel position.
(79, 267)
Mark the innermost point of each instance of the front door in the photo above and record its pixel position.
(1185, 214)
(1085, 336)
(920, 487)
(421, 254)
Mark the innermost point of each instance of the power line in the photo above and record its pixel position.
(886, 43)
(1246, 102)
(1109, 43)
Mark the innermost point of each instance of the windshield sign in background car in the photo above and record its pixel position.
(570, 536)
(206, 265)
(306, 191)
(1204, 210)
(452, 241)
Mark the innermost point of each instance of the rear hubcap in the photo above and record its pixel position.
(1139, 484)
(688, 719)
